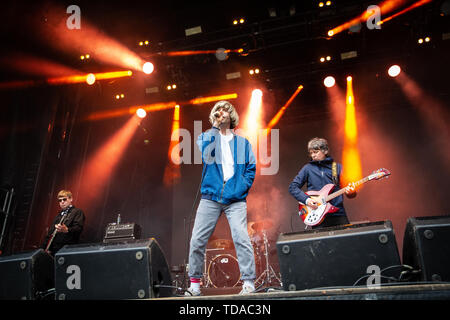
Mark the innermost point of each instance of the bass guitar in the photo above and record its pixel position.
(314, 217)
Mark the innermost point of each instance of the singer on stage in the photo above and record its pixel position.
(228, 172)
(67, 225)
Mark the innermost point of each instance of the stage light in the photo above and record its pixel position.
(82, 57)
(90, 79)
(322, 59)
(427, 39)
(141, 43)
(420, 41)
(330, 33)
(328, 58)
(235, 22)
(174, 86)
(117, 96)
(251, 72)
(328, 3)
(148, 67)
(257, 93)
(241, 20)
(329, 81)
(256, 71)
(349, 78)
(394, 71)
(88, 56)
(320, 4)
(141, 113)
(146, 42)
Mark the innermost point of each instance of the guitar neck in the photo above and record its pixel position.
(342, 191)
(54, 233)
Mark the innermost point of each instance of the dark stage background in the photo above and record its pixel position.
(46, 141)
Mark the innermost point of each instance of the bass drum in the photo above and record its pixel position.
(223, 271)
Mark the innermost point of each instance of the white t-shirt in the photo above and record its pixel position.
(227, 157)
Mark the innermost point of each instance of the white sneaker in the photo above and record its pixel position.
(190, 292)
(247, 288)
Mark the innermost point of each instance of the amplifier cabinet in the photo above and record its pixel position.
(337, 256)
(24, 275)
(127, 270)
(426, 247)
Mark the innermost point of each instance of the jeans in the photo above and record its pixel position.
(208, 213)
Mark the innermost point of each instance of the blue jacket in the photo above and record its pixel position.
(317, 174)
(236, 188)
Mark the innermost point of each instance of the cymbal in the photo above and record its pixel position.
(262, 225)
(221, 243)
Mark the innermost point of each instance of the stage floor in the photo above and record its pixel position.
(419, 291)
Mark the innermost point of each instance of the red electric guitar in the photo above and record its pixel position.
(314, 217)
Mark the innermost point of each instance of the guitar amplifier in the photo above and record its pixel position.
(122, 231)
(337, 256)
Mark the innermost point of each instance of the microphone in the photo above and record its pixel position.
(217, 114)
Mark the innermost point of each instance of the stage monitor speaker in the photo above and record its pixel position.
(426, 247)
(134, 269)
(337, 256)
(26, 275)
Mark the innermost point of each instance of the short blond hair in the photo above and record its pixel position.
(234, 117)
(65, 193)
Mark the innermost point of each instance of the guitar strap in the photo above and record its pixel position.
(334, 172)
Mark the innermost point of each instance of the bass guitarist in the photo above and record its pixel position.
(321, 170)
(67, 225)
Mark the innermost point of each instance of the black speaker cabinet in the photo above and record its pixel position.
(134, 269)
(25, 275)
(337, 256)
(426, 247)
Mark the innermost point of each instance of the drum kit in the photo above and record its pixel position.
(221, 267)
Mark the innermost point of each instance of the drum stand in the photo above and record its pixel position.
(268, 274)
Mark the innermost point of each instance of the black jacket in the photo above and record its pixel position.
(74, 222)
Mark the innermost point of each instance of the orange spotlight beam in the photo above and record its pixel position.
(172, 170)
(101, 165)
(411, 7)
(280, 112)
(350, 156)
(195, 52)
(83, 78)
(385, 7)
(213, 98)
(87, 39)
(99, 115)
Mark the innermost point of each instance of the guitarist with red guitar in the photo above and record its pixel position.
(67, 225)
(321, 171)
(318, 207)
